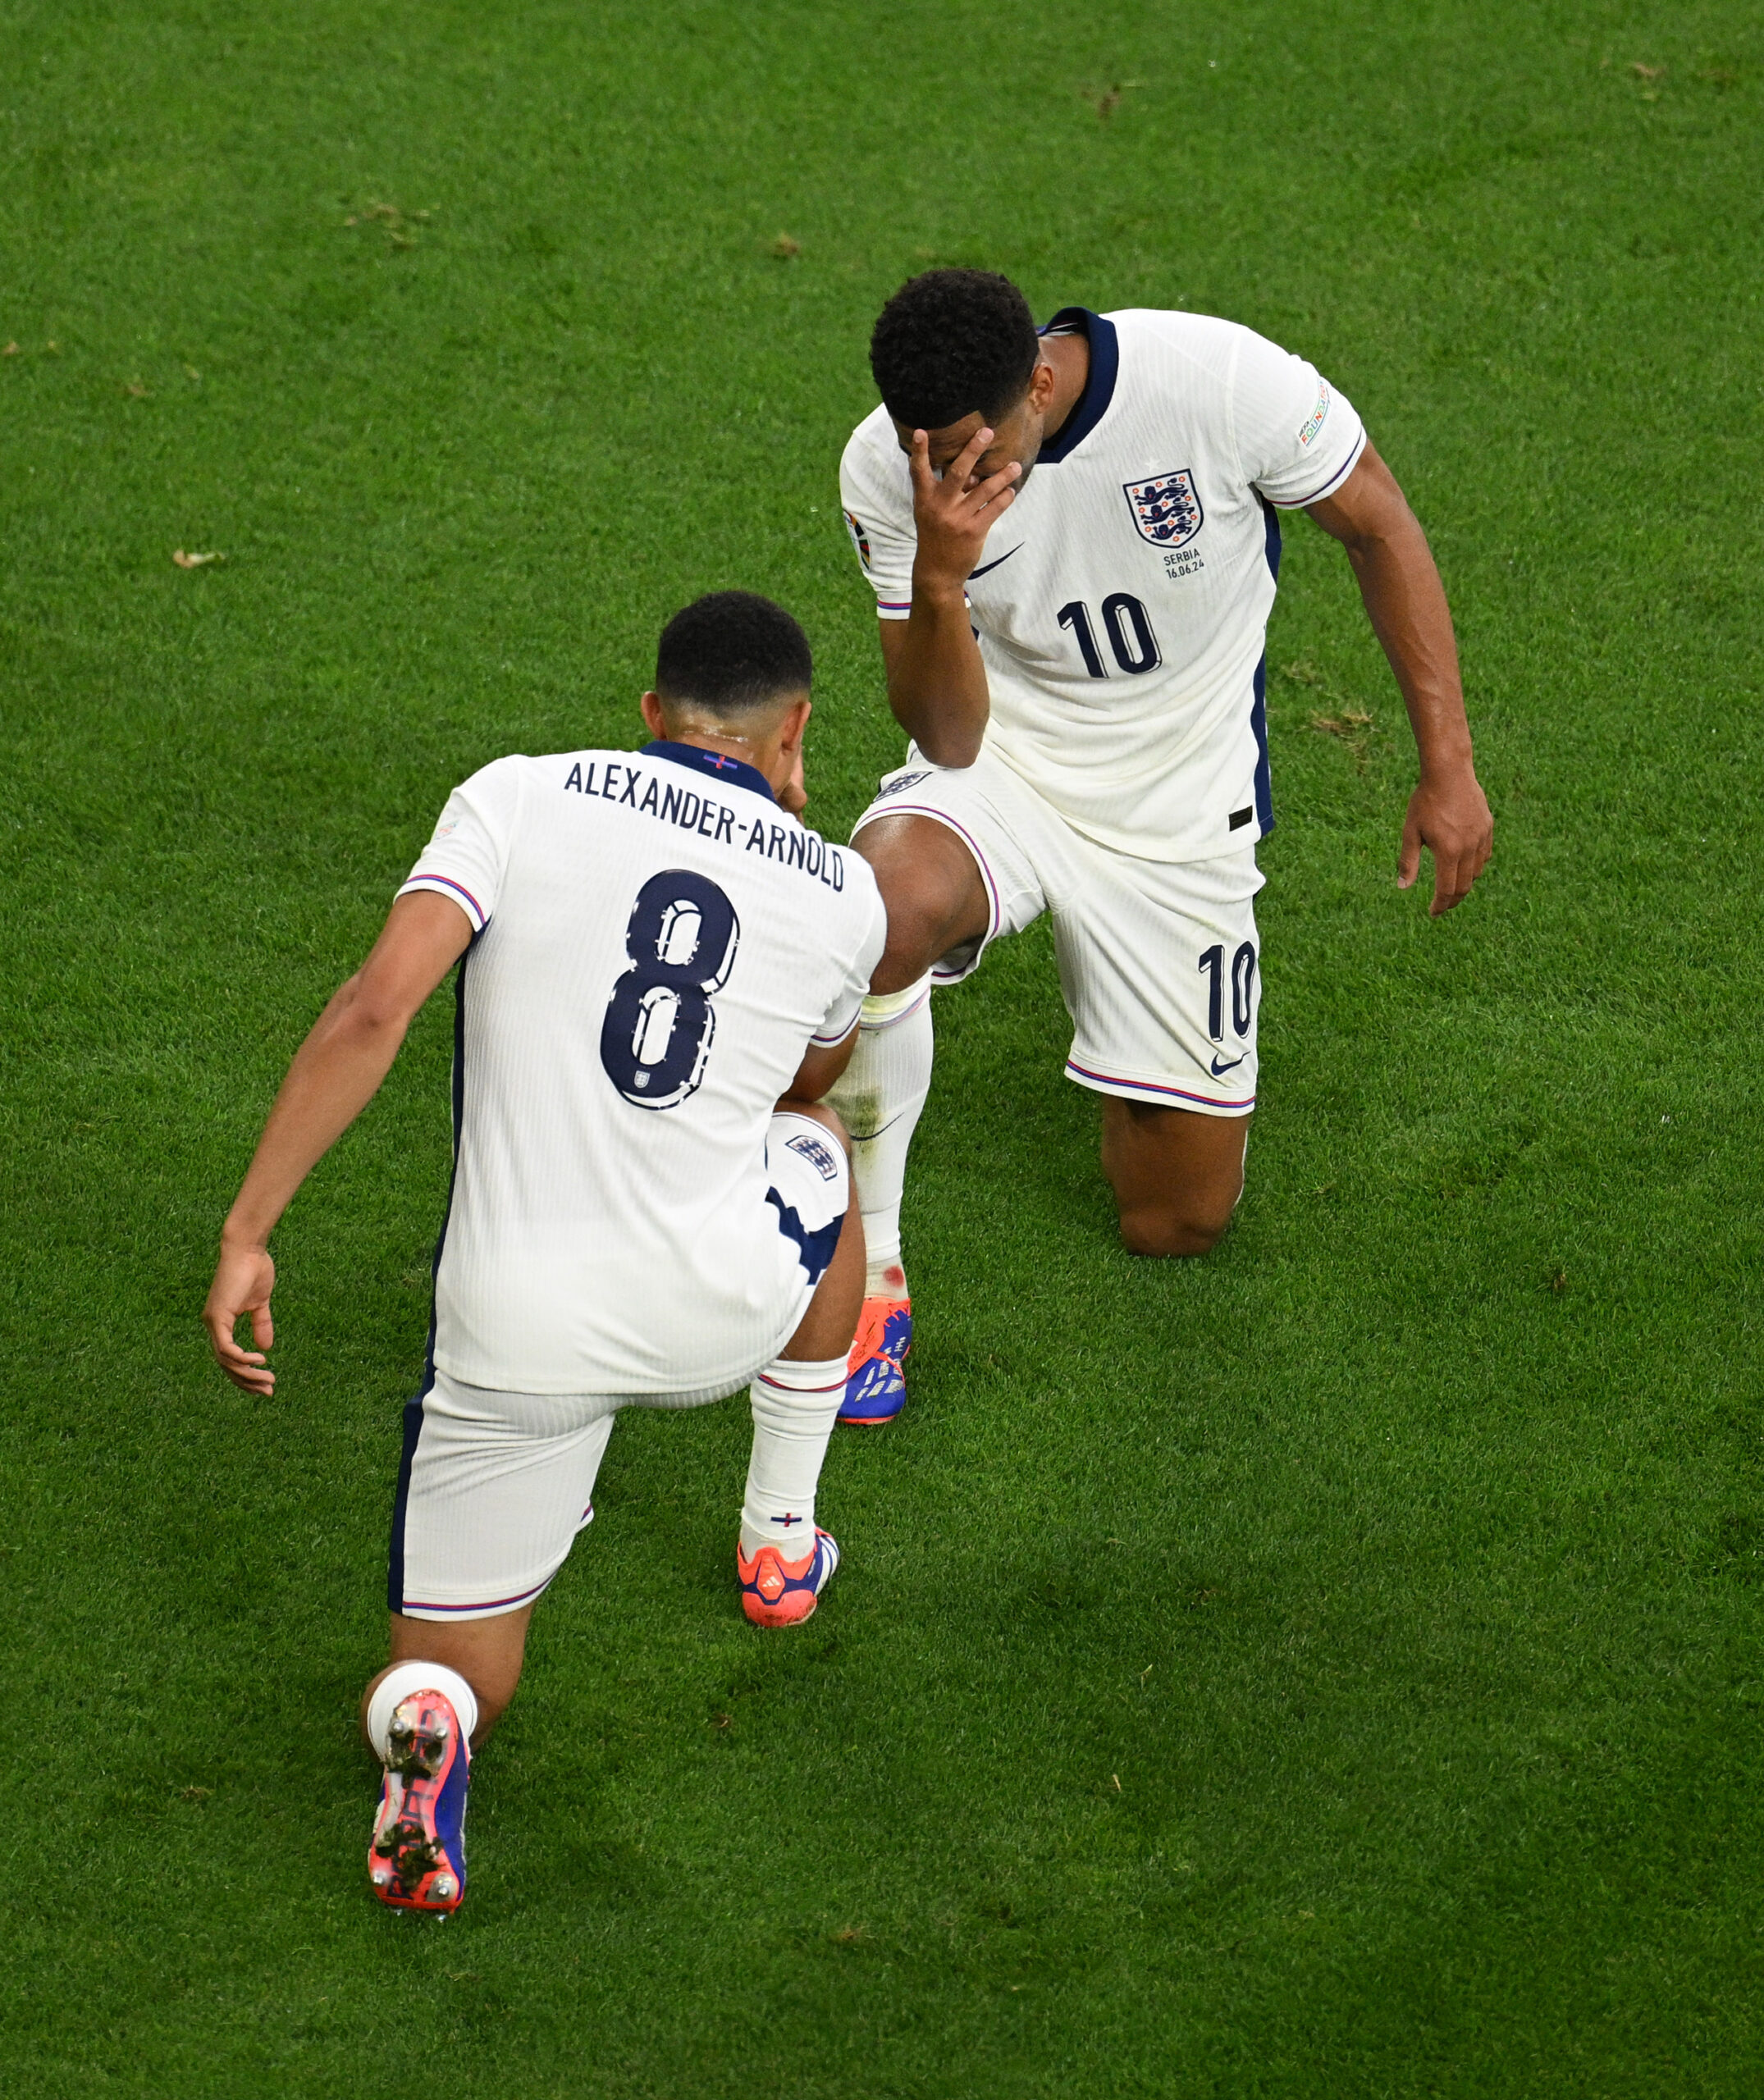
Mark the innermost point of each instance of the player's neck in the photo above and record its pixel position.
(1070, 357)
(761, 753)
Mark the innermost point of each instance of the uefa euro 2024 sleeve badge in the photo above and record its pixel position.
(1166, 509)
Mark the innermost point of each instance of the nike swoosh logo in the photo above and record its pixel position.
(1002, 558)
(1219, 1071)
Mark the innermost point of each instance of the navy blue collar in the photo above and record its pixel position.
(1092, 404)
(736, 772)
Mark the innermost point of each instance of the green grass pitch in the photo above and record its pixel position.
(1330, 1669)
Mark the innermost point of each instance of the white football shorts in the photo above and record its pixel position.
(493, 1486)
(1158, 960)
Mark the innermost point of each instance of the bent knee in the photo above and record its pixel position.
(1170, 1229)
(932, 887)
(916, 940)
(828, 1117)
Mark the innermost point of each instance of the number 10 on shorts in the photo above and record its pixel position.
(1243, 980)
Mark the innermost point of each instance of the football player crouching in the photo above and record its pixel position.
(660, 971)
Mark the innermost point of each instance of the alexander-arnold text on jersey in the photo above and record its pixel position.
(791, 844)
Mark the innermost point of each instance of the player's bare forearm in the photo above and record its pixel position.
(338, 1070)
(336, 1073)
(936, 681)
(1406, 601)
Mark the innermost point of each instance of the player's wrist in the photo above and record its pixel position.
(939, 592)
(1445, 755)
(1445, 772)
(245, 1236)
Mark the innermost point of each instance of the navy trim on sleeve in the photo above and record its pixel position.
(1264, 786)
(736, 772)
(1091, 405)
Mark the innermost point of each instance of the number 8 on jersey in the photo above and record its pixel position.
(681, 938)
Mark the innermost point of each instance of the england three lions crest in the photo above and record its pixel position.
(1166, 509)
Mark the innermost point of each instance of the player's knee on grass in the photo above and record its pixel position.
(1183, 1225)
(1176, 1177)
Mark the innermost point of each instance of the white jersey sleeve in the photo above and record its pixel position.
(466, 857)
(879, 522)
(842, 1016)
(1298, 440)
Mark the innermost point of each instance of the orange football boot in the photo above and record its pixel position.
(779, 1592)
(417, 1861)
(876, 1382)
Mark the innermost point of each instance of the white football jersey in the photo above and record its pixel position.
(656, 945)
(1122, 601)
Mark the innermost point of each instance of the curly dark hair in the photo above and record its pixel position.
(952, 343)
(732, 651)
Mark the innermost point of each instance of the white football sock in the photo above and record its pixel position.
(404, 1678)
(879, 1098)
(793, 1407)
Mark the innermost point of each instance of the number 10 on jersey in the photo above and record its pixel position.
(681, 938)
(1128, 626)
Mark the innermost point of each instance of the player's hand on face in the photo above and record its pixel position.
(243, 1281)
(793, 795)
(954, 514)
(1451, 819)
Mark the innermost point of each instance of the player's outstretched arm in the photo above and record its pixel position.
(336, 1073)
(936, 681)
(1448, 812)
